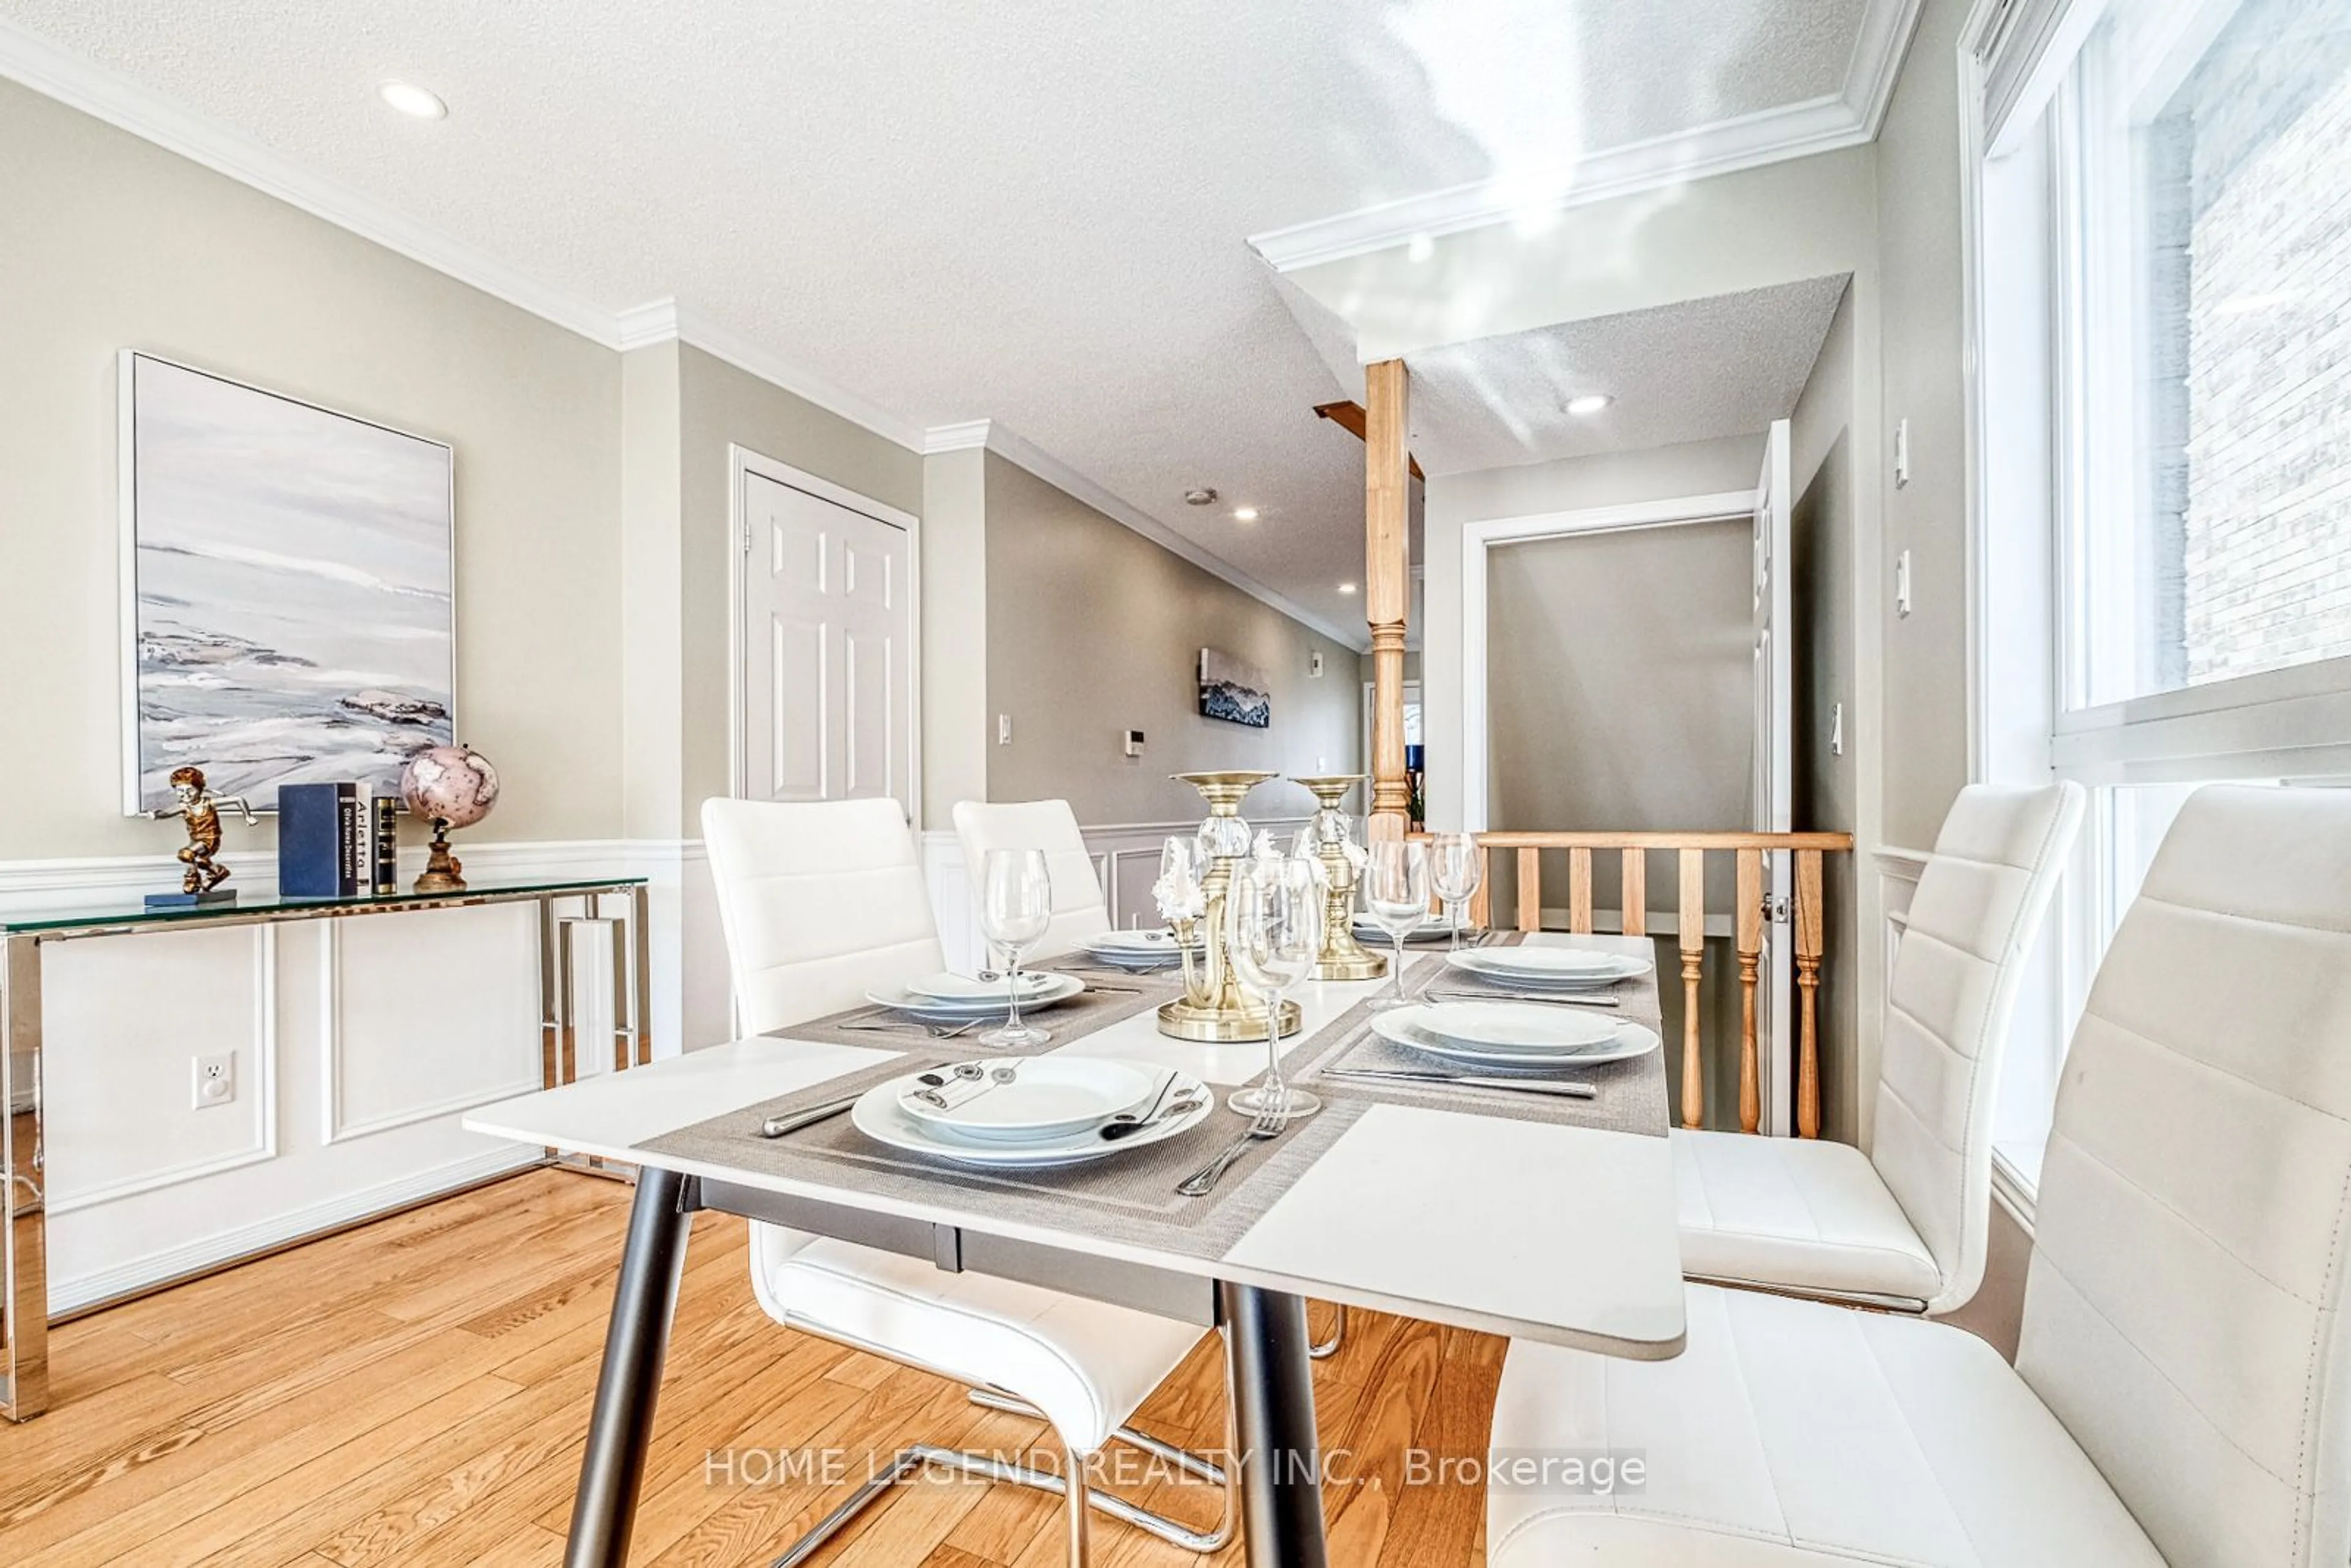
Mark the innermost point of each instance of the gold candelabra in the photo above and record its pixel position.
(1213, 1007)
(1342, 957)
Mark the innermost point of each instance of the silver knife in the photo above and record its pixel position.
(1566, 1001)
(1560, 1091)
(793, 1121)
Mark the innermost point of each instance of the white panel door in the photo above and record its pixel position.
(1774, 792)
(830, 633)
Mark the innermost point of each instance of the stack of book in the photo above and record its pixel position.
(336, 840)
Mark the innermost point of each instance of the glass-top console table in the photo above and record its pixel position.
(24, 1252)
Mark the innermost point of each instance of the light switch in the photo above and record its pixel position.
(1004, 729)
(1902, 585)
(1901, 454)
(1314, 667)
(1836, 729)
(1134, 743)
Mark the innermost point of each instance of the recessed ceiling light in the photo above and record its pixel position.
(1589, 403)
(1346, 587)
(1244, 514)
(1421, 248)
(1204, 497)
(410, 99)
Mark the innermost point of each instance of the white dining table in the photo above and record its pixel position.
(1561, 1234)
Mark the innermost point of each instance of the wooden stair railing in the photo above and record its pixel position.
(1692, 850)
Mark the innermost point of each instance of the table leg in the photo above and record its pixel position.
(636, 1340)
(1272, 1390)
(24, 1239)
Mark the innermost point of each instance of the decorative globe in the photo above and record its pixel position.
(452, 784)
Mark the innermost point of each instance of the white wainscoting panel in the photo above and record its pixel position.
(122, 1025)
(394, 1052)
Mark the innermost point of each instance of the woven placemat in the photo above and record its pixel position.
(1129, 1197)
(1631, 1095)
(1108, 999)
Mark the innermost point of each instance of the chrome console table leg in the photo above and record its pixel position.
(620, 1427)
(1274, 1415)
(23, 1242)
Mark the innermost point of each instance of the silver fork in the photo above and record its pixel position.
(1269, 1123)
(935, 1030)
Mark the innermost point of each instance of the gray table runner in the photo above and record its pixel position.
(1132, 1198)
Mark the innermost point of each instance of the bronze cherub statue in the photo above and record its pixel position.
(201, 808)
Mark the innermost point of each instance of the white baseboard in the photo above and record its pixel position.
(172, 1264)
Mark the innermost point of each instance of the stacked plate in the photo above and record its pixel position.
(1372, 935)
(1026, 1113)
(1547, 968)
(1136, 950)
(1515, 1037)
(960, 998)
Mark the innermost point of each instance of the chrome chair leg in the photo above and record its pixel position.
(1197, 1466)
(1079, 1467)
(1330, 1347)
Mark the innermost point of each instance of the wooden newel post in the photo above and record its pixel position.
(1387, 572)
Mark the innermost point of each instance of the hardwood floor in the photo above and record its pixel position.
(415, 1392)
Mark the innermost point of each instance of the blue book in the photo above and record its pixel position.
(310, 838)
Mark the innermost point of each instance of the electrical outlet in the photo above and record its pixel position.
(215, 1081)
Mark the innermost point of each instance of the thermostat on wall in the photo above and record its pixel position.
(1134, 743)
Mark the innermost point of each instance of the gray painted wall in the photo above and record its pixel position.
(1826, 783)
(1093, 629)
(1693, 468)
(1924, 751)
(108, 242)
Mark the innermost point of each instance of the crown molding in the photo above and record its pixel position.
(1796, 131)
(1847, 119)
(1878, 50)
(1014, 450)
(27, 59)
(663, 321)
(964, 437)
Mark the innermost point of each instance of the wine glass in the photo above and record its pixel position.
(1016, 905)
(1396, 896)
(1455, 869)
(1274, 917)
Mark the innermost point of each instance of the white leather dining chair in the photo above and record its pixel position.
(1079, 909)
(1904, 1227)
(2182, 1391)
(819, 902)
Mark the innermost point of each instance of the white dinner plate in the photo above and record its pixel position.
(1533, 1028)
(1432, 928)
(1063, 987)
(1625, 1041)
(1047, 1098)
(1159, 943)
(996, 993)
(1554, 968)
(879, 1116)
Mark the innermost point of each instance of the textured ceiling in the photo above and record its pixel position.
(1030, 213)
(1723, 366)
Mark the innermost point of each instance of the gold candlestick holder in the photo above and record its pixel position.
(1213, 1009)
(1342, 957)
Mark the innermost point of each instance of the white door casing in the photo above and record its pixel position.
(827, 652)
(1773, 789)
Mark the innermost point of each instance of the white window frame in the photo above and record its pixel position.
(2291, 724)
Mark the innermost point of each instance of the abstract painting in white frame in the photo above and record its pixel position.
(288, 588)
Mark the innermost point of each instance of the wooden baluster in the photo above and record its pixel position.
(1750, 952)
(1635, 900)
(1809, 945)
(1578, 892)
(1531, 890)
(1693, 935)
(1481, 902)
